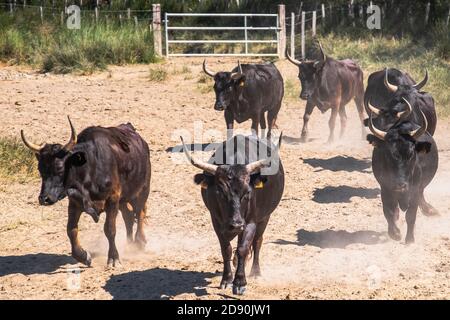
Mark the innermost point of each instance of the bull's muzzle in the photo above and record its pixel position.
(219, 107)
(305, 96)
(46, 200)
(237, 225)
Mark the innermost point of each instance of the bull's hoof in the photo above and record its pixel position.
(430, 211)
(395, 234)
(409, 240)
(88, 260)
(239, 290)
(84, 257)
(255, 273)
(224, 284)
(140, 243)
(114, 263)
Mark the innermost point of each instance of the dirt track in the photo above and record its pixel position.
(327, 239)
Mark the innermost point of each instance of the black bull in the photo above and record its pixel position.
(330, 84)
(386, 95)
(103, 169)
(404, 161)
(240, 197)
(247, 92)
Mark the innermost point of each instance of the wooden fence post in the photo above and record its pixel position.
(96, 14)
(292, 34)
(41, 12)
(128, 13)
(427, 13)
(282, 37)
(303, 34)
(314, 23)
(323, 14)
(448, 17)
(156, 26)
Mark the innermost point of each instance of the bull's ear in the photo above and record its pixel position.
(203, 180)
(373, 140)
(239, 80)
(257, 180)
(366, 122)
(319, 64)
(77, 159)
(423, 147)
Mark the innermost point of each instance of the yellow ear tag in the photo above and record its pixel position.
(204, 185)
(242, 83)
(260, 185)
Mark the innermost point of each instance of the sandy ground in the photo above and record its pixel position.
(326, 240)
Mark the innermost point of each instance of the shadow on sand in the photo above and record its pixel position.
(157, 283)
(37, 263)
(340, 163)
(335, 239)
(343, 194)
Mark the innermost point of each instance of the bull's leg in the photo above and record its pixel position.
(271, 118)
(426, 208)
(128, 219)
(257, 243)
(343, 117)
(227, 275)
(332, 123)
(360, 106)
(140, 239)
(255, 124)
(411, 214)
(262, 123)
(72, 231)
(112, 208)
(240, 282)
(390, 210)
(308, 111)
(229, 120)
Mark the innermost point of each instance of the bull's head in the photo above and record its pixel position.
(309, 73)
(233, 186)
(398, 107)
(228, 86)
(400, 147)
(52, 165)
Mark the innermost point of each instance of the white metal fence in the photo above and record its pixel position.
(246, 28)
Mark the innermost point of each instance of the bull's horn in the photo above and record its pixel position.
(407, 112)
(33, 147)
(391, 87)
(423, 128)
(208, 167)
(293, 60)
(73, 137)
(324, 57)
(207, 71)
(373, 109)
(238, 73)
(377, 132)
(422, 83)
(257, 165)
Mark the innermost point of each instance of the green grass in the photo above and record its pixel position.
(291, 89)
(17, 163)
(157, 74)
(50, 47)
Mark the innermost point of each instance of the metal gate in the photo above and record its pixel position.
(245, 27)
